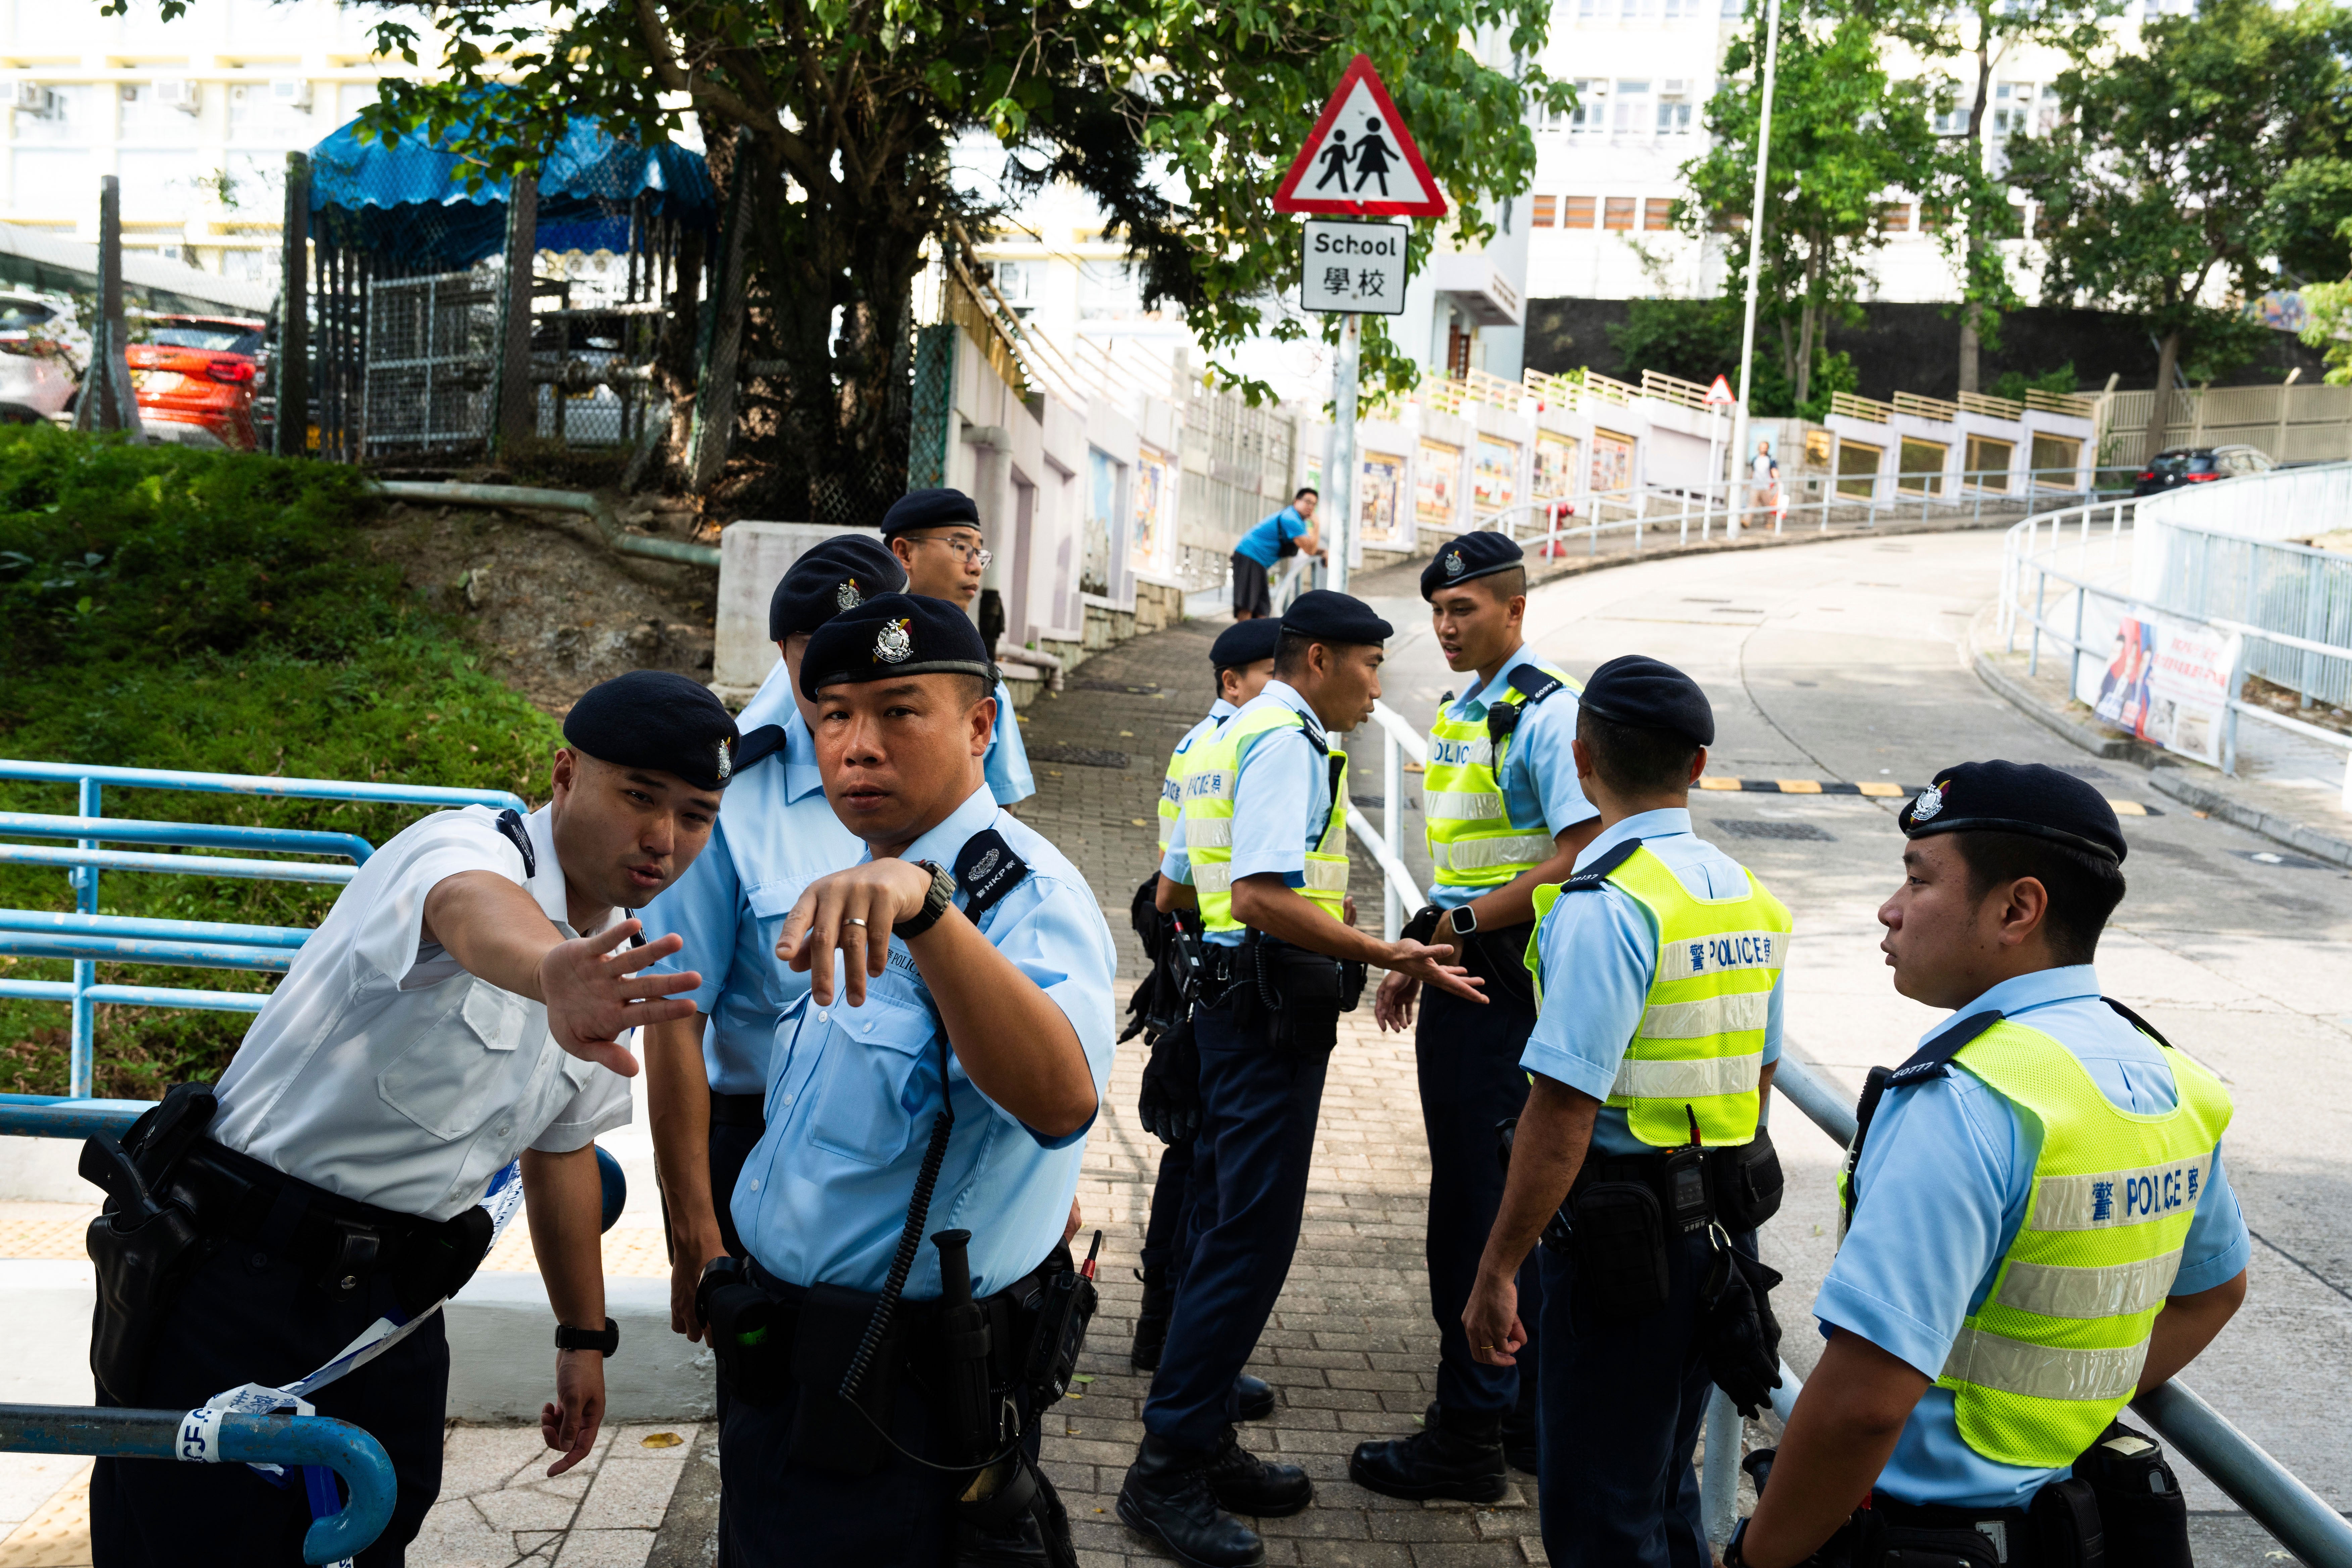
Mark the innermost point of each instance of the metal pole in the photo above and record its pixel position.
(291, 434)
(108, 401)
(518, 398)
(1718, 1486)
(1391, 819)
(1341, 480)
(1754, 261)
(80, 1064)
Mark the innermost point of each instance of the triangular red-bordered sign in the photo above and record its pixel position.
(1424, 201)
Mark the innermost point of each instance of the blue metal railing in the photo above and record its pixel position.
(86, 938)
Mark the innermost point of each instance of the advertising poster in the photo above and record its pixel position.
(1437, 486)
(1613, 462)
(1377, 480)
(1495, 478)
(1155, 512)
(2167, 682)
(1555, 468)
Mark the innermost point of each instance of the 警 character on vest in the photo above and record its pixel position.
(2037, 1224)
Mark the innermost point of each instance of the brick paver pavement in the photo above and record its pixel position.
(1351, 1353)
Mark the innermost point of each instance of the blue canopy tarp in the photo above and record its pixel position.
(412, 207)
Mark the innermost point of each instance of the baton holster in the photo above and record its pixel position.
(143, 1245)
(2141, 1509)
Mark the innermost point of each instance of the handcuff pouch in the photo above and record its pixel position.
(1747, 1182)
(1619, 1248)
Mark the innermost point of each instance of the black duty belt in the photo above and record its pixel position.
(918, 1322)
(239, 1198)
(739, 1110)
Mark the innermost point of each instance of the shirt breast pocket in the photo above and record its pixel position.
(463, 1066)
(873, 1060)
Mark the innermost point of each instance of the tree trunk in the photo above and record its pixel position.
(2159, 411)
(1971, 360)
(1807, 320)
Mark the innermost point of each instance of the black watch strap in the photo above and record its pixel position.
(940, 899)
(568, 1338)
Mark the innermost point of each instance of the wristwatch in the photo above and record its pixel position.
(935, 904)
(568, 1338)
(1464, 920)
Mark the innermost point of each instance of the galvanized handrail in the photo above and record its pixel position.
(186, 835)
(2269, 1492)
(210, 1437)
(1398, 891)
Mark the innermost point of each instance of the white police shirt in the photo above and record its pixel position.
(382, 1071)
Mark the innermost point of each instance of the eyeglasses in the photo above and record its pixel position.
(971, 553)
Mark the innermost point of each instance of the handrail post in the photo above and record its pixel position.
(1391, 814)
(2040, 592)
(81, 1069)
(1718, 1486)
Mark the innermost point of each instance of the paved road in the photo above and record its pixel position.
(1843, 661)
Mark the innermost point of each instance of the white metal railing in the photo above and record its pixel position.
(1398, 891)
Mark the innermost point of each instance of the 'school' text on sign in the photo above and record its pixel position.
(1354, 266)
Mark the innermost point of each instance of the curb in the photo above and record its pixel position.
(2165, 777)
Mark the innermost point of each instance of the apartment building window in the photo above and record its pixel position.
(1544, 206)
(2013, 108)
(64, 115)
(1675, 108)
(1894, 217)
(1617, 213)
(1591, 112)
(1657, 213)
(1633, 116)
(149, 117)
(1681, 10)
(1578, 213)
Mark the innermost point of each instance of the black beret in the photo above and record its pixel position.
(2017, 797)
(930, 508)
(896, 634)
(1327, 616)
(1244, 642)
(658, 719)
(1649, 694)
(832, 575)
(1479, 554)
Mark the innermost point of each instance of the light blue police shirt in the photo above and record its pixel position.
(1600, 951)
(1171, 788)
(776, 833)
(852, 1092)
(1946, 1174)
(1277, 769)
(1007, 763)
(1539, 776)
(1263, 543)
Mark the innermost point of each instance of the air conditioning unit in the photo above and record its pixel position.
(177, 92)
(31, 97)
(290, 91)
(1675, 85)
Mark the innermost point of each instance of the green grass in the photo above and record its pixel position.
(217, 613)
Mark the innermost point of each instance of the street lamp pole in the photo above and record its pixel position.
(1755, 260)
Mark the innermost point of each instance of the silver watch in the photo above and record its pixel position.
(1463, 919)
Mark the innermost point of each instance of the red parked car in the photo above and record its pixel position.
(195, 379)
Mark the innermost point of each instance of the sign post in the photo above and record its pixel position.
(1358, 147)
(1755, 260)
(1718, 397)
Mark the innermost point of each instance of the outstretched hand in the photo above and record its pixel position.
(595, 995)
(851, 912)
(1432, 965)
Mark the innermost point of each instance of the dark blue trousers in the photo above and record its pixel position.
(1249, 1174)
(1468, 1059)
(1622, 1408)
(1172, 1209)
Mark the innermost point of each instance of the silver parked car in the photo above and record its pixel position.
(43, 348)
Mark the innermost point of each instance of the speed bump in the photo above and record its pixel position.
(1874, 789)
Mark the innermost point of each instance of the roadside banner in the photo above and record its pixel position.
(2167, 682)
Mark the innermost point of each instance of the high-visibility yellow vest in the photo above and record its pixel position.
(1699, 1051)
(1171, 787)
(1473, 842)
(2056, 1350)
(1209, 787)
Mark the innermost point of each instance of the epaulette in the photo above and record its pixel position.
(1932, 1059)
(1597, 874)
(510, 825)
(757, 746)
(1535, 683)
(986, 869)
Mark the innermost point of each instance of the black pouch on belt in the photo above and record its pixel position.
(144, 1245)
(829, 1434)
(750, 1333)
(437, 1261)
(2141, 1512)
(1746, 1179)
(1620, 1250)
(1313, 993)
(1064, 1306)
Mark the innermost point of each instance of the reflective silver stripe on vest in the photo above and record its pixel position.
(2052, 1290)
(1701, 1079)
(1700, 955)
(1327, 876)
(2104, 1200)
(1322, 877)
(1477, 854)
(1739, 1014)
(2039, 1372)
(1461, 806)
(1208, 832)
(1216, 876)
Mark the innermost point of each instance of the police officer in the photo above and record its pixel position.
(1505, 816)
(706, 1076)
(461, 1005)
(2038, 1228)
(942, 1072)
(1243, 657)
(1658, 968)
(1262, 849)
(936, 536)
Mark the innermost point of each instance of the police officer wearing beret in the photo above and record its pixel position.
(1505, 816)
(462, 1005)
(936, 536)
(1658, 969)
(1261, 851)
(927, 1102)
(706, 1076)
(1242, 660)
(2037, 1224)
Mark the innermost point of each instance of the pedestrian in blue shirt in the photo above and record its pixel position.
(936, 536)
(1658, 966)
(1289, 532)
(928, 1104)
(2038, 1228)
(1505, 816)
(1260, 855)
(707, 1077)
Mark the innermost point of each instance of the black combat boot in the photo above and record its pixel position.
(1166, 1496)
(1254, 1398)
(1521, 1445)
(1151, 1318)
(1454, 1454)
(1246, 1484)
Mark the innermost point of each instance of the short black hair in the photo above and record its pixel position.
(2083, 888)
(1634, 760)
(1290, 653)
(977, 687)
(1306, 490)
(1223, 671)
(1506, 585)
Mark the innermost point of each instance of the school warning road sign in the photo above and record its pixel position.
(1359, 160)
